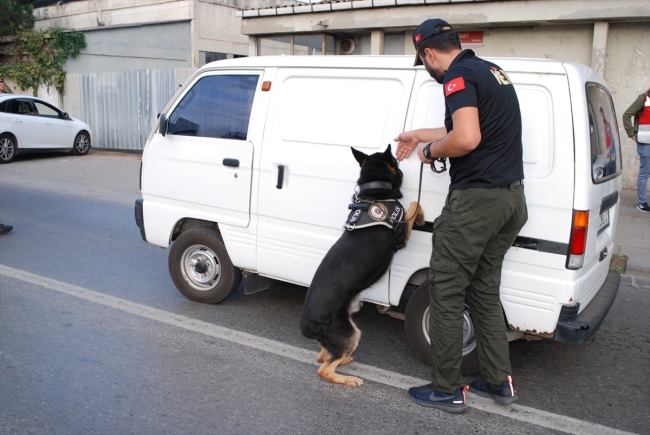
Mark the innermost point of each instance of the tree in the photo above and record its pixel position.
(16, 16)
(40, 55)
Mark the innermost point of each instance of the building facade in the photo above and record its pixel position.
(613, 37)
(125, 35)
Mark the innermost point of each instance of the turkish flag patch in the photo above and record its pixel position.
(455, 85)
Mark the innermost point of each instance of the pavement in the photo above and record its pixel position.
(633, 237)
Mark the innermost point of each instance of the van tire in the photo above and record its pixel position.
(217, 277)
(418, 336)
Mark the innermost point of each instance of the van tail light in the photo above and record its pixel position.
(578, 243)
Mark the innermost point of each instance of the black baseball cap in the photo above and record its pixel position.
(425, 31)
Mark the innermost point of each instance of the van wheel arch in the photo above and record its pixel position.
(201, 268)
(186, 224)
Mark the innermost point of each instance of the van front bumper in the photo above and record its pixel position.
(139, 217)
(579, 328)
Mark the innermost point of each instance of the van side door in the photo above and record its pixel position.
(203, 164)
(307, 171)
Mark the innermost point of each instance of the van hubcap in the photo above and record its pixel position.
(469, 344)
(200, 267)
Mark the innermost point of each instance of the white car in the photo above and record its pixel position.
(31, 124)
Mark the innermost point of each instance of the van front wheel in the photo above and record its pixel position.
(201, 268)
(416, 323)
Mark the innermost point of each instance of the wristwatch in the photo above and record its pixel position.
(427, 151)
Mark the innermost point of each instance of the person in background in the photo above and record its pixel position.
(636, 121)
(3, 87)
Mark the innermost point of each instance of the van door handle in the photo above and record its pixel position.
(280, 176)
(231, 162)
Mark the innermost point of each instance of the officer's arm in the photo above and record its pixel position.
(463, 139)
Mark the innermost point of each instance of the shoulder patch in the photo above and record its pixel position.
(455, 85)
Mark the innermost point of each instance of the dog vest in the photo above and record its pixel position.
(389, 212)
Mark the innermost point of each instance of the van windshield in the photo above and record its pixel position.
(606, 162)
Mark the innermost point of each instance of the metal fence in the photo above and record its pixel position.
(121, 106)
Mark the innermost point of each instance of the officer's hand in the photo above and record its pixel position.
(407, 142)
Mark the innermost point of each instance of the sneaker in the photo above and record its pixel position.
(504, 394)
(643, 207)
(427, 396)
(4, 229)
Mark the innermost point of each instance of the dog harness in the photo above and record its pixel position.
(388, 212)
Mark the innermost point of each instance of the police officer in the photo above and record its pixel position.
(483, 213)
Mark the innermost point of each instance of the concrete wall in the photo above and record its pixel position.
(155, 46)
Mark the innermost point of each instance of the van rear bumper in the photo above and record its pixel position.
(139, 217)
(578, 328)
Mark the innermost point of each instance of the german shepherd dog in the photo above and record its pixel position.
(355, 262)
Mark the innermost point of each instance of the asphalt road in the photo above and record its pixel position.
(95, 338)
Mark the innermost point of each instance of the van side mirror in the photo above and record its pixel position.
(163, 124)
(65, 115)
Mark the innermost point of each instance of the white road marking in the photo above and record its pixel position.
(515, 412)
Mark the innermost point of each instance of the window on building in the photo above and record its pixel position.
(299, 45)
(274, 46)
(211, 56)
(217, 106)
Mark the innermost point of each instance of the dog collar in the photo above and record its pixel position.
(376, 185)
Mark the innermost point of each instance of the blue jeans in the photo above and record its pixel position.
(644, 172)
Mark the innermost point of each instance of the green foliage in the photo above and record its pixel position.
(16, 16)
(41, 55)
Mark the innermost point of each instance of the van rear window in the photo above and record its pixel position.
(217, 106)
(606, 161)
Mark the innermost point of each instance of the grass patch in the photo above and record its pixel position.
(619, 263)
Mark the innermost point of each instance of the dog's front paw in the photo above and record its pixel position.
(419, 217)
(353, 381)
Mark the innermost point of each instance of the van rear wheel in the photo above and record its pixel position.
(201, 268)
(416, 323)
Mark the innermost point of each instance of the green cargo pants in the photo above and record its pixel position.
(470, 239)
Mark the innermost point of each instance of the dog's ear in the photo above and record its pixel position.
(388, 157)
(359, 156)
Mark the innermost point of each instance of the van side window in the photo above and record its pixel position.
(217, 106)
(606, 161)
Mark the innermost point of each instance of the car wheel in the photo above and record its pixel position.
(416, 323)
(201, 268)
(81, 144)
(7, 148)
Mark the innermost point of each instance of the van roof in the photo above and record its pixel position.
(382, 62)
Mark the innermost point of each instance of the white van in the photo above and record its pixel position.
(249, 173)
